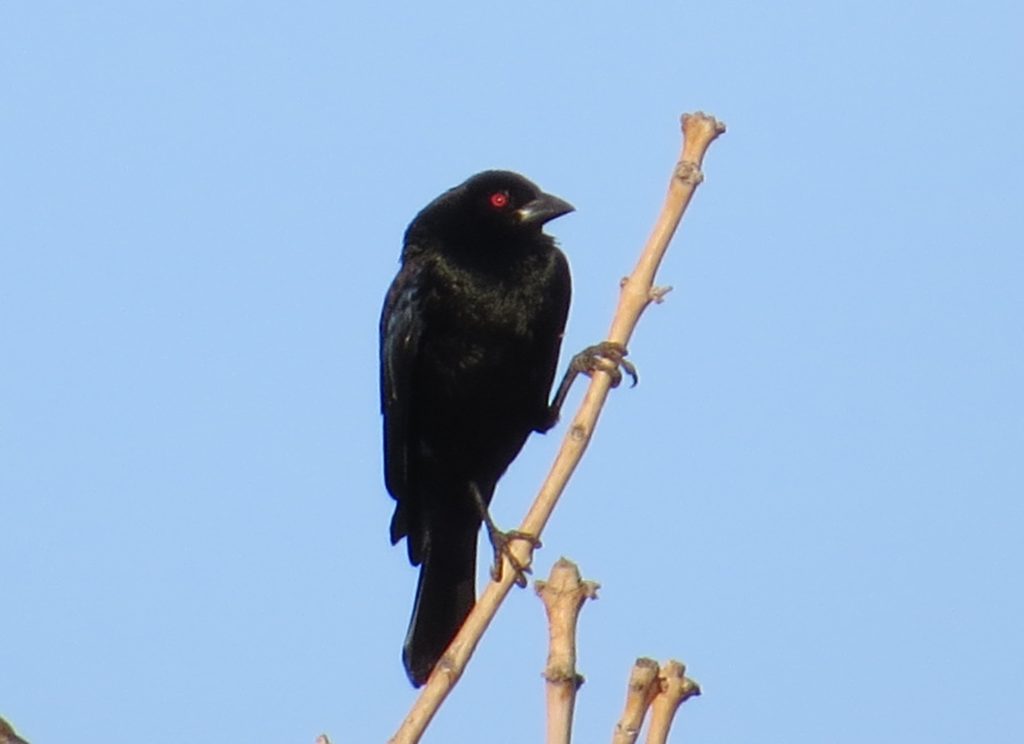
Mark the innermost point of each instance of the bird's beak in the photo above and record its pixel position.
(543, 209)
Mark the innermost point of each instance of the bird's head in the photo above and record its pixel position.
(503, 200)
(491, 206)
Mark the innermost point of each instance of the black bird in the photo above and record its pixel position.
(469, 341)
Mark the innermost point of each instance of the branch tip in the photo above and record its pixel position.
(674, 688)
(563, 594)
(699, 131)
(704, 123)
(640, 692)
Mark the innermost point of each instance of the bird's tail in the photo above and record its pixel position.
(444, 596)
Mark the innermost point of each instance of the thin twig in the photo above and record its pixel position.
(7, 735)
(699, 130)
(675, 688)
(643, 686)
(563, 595)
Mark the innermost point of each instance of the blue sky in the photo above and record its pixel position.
(813, 498)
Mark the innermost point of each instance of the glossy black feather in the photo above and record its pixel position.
(469, 340)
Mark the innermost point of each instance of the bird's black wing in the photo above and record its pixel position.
(551, 326)
(401, 334)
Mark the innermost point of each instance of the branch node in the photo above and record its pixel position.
(658, 294)
(448, 665)
(563, 678)
(689, 173)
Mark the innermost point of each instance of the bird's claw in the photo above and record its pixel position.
(501, 542)
(607, 356)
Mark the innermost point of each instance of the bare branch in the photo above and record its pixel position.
(563, 595)
(7, 735)
(699, 130)
(643, 686)
(675, 688)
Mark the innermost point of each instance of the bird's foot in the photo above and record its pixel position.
(501, 541)
(502, 544)
(607, 356)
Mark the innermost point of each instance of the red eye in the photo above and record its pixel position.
(499, 199)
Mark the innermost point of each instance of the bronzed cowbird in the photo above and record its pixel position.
(469, 342)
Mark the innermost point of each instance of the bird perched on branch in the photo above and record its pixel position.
(469, 342)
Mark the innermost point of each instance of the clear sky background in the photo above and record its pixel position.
(813, 498)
